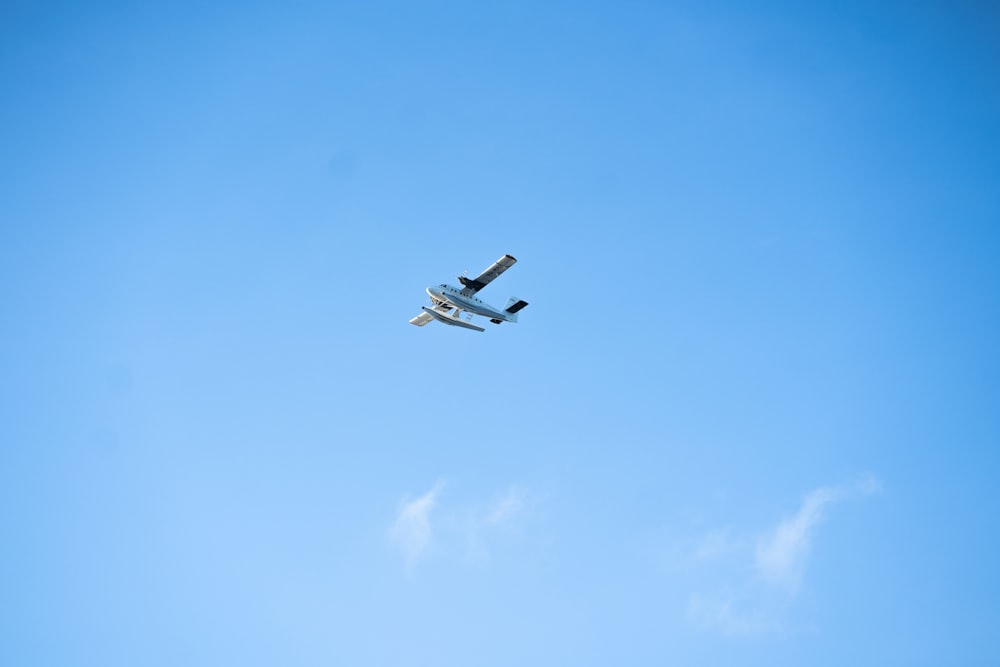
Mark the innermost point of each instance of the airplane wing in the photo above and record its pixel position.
(425, 317)
(472, 285)
(422, 319)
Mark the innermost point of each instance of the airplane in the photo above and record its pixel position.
(447, 298)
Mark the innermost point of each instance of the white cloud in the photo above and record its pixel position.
(422, 527)
(497, 524)
(507, 507)
(411, 531)
(758, 580)
(781, 553)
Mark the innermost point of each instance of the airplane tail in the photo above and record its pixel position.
(513, 306)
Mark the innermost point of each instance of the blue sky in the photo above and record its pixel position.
(748, 418)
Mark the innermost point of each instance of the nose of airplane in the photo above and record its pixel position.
(434, 292)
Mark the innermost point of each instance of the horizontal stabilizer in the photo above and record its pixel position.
(514, 307)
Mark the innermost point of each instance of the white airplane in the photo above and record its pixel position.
(447, 298)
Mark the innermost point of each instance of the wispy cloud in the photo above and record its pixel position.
(781, 553)
(470, 531)
(411, 531)
(758, 579)
(507, 507)
(498, 522)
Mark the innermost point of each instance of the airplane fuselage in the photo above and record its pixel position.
(453, 297)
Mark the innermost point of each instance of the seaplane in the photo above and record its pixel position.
(448, 303)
